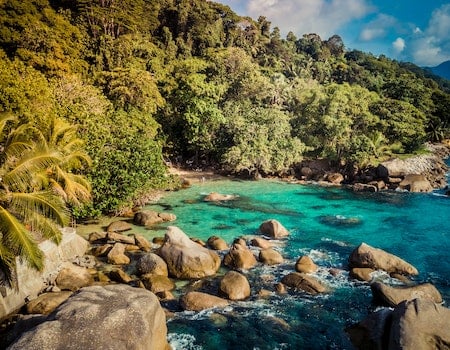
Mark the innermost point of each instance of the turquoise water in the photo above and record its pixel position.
(415, 227)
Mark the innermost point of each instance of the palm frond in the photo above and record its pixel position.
(46, 228)
(19, 240)
(40, 202)
(7, 266)
(21, 173)
(77, 189)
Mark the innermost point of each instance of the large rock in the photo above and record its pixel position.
(31, 282)
(111, 317)
(270, 257)
(274, 229)
(239, 257)
(300, 281)
(418, 324)
(47, 302)
(197, 301)
(305, 264)
(235, 286)
(416, 183)
(151, 263)
(72, 277)
(366, 256)
(392, 296)
(185, 258)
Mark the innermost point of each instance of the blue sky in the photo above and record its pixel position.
(406, 30)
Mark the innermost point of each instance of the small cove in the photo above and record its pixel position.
(326, 224)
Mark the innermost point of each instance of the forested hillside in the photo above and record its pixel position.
(149, 81)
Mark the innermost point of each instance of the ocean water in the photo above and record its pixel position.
(325, 224)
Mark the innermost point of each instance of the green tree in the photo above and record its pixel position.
(261, 140)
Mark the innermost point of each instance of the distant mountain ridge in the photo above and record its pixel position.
(442, 70)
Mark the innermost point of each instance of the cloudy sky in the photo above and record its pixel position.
(417, 31)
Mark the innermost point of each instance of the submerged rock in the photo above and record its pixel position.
(218, 197)
(110, 317)
(366, 256)
(185, 258)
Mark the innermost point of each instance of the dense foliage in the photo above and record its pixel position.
(147, 81)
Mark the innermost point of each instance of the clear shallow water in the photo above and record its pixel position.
(326, 224)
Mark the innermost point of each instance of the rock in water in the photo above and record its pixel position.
(185, 258)
(218, 197)
(274, 229)
(197, 301)
(270, 257)
(239, 257)
(112, 317)
(366, 256)
(235, 286)
(305, 264)
(419, 324)
(217, 243)
(301, 281)
(393, 296)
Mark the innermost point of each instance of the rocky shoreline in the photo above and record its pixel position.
(116, 260)
(420, 173)
(136, 280)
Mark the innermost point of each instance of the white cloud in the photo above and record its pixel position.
(398, 45)
(323, 17)
(378, 28)
(432, 46)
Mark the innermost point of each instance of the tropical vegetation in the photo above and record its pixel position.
(97, 96)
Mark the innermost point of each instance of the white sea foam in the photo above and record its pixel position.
(182, 341)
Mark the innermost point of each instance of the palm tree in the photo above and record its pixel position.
(28, 211)
(74, 188)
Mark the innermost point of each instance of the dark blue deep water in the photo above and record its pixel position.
(416, 227)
